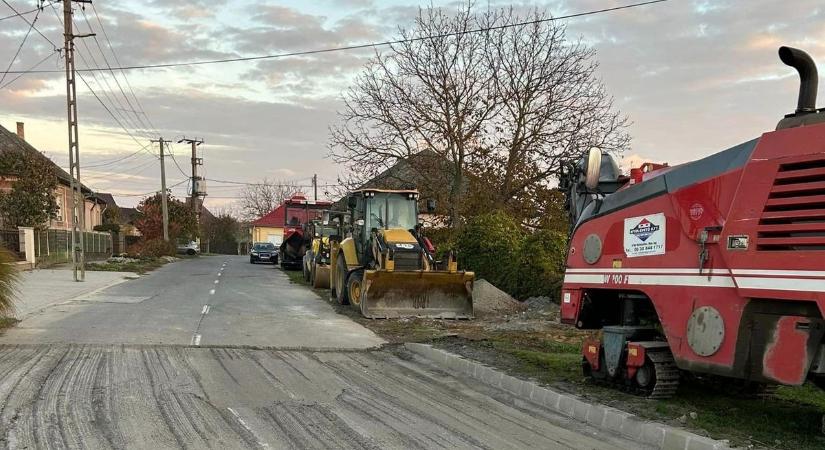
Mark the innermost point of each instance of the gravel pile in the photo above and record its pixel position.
(489, 301)
(541, 307)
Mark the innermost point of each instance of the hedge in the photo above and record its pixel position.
(521, 262)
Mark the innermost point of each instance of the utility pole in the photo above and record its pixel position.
(164, 192)
(315, 185)
(78, 201)
(197, 182)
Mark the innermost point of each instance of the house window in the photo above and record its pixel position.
(59, 200)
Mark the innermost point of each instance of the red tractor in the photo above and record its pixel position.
(298, 212)
(714, 267)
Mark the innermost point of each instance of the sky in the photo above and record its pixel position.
(694, 77)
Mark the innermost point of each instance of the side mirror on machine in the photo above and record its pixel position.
(593, 169)
(431, 205)
(325, 219)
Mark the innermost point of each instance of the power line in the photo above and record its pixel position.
(369, 45)
(116, 160)
(17, 14)
(38, 32)
(10, 82)
(89, 87)
(20, 47)
(287, 184)
(112, 72)
(147, 193)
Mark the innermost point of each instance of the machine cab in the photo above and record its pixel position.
(588, 181)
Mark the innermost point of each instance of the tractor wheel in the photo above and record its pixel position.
(341, 282)
(355, 289)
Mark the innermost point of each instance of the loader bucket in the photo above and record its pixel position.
(321, 280)
(437, 295)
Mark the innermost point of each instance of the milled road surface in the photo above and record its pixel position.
(122, 370)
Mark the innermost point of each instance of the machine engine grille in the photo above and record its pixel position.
(407, 260)
(794, 215)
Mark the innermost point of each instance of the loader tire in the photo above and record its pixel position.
(355, 289)
(304, 269)
(341, 294)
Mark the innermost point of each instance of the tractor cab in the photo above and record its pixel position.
(385, 216)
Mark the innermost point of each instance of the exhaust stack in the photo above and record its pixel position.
(806, 112)
(808, 77)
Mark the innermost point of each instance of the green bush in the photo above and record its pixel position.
(522, 263)
(490, 245)
(543, 255)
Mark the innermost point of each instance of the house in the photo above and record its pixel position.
(270, 228)
(426, 171)
(93, 205)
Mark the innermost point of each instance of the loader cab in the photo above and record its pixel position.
(587, 182)
(375, 210)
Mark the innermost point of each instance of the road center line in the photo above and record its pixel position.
(217, 281)
(219, 274)
(196, 339)
(205, 309)
(211, 292)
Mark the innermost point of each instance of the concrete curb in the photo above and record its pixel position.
(600, 416)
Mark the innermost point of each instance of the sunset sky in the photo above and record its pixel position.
(694, 77)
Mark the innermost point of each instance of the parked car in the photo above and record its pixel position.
(263, 252)
(189, 248)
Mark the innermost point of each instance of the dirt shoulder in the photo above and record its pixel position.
(532, 344)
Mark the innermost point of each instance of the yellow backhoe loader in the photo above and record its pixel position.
(386, 269)
(326, 236)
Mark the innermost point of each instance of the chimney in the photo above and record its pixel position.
(21, 130)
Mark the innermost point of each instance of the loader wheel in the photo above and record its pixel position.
(306, 272)
(354, 289)
(341, 282)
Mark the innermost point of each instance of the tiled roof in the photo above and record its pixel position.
(11, 141)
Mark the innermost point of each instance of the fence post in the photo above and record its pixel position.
(27, 244)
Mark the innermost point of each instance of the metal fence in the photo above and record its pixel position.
(10, 240)
(55, 245)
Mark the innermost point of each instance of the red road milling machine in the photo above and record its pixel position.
(713, 269)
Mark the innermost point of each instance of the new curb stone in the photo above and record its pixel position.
(599, 416)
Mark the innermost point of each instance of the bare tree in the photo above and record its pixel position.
(554, 107)
(259, 199)
(502, 99)
(426, 93)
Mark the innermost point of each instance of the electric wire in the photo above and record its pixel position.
(20, 47)
(368, 45)
(35, 29)
(114, 76)
(39, 8)
(123, 72)
(21, 75)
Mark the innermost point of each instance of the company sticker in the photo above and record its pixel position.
(645, 235)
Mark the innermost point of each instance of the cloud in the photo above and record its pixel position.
(694, 76)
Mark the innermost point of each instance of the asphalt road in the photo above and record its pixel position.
(162, 362)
